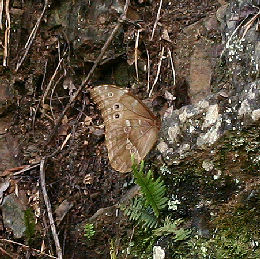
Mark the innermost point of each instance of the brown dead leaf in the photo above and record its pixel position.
(3, 187)
(62, 210)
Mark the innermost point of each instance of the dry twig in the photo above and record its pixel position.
(172, 66)
(136, 53)
(1, 13)
(250, 23)
(227, 45)
(27, 168)
(148, 71)
(49, 210)
(27, 247)
(157, 19)
(31, 37)
(84, 83)
(7, 33)
(51, 80)
(158, 71)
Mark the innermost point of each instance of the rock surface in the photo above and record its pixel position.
(201, 124)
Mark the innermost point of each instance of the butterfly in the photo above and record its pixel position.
(130, 127)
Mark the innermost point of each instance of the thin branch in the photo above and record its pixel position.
(1, 13)
(136, 53)
(158, 71)
(148, 71)
(27, 247)
(157, 19)
(7, 33)
(84, 83)
(52, 92)
(227, 45)
(172, 66)
(49, 210)
(27, 168)
(31, 37)
(249, 24)
(51, 80)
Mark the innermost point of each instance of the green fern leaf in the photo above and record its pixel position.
(143, 215)
(172, 227)
(153, 190)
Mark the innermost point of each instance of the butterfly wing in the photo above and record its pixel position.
(130, 127)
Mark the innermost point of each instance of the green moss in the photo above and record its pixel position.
(236, 236)
(29, 224)
(141, 246)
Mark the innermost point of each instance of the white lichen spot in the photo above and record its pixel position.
(187, 113)
(183, 150)
(211, 116)
(162, 147)
(256, 115)
(244, 108)
(211, 136)
(216, 176)
(251, 95)
(173, 133)
(192, 128)
(183, 116)
(203, 104)
(173, 204)
(207, 165)
(228, 121)
(158, 253)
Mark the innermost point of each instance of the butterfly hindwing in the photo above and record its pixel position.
(130, 127)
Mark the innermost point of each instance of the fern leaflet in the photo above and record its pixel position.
(153, 190)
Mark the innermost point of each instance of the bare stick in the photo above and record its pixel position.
(157, 19)
(1, 13)
(49, 210)
(173, 70)
(148, 71)
(136, 54)
(27, 168)
(27, 247)
(158, 71)
(249, 24)
(227, 45)
(83, 84)
(7, 33)
(31, 37)
(51, 80)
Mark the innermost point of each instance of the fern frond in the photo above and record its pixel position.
(172, 227)
(143, 215)
(153, 190)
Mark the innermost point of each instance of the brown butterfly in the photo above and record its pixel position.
(130, 127)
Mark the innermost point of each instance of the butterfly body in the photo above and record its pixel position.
(130, 127)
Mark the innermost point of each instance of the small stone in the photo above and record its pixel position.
(13, 215)
(158, 252)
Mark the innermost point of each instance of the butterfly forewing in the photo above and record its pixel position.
(130, 127)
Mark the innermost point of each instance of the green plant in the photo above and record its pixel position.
(112, 249)
(143, 215)
(147, 210)
(173, 227)
(29, 224)
(152, 190)
(89, 231)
